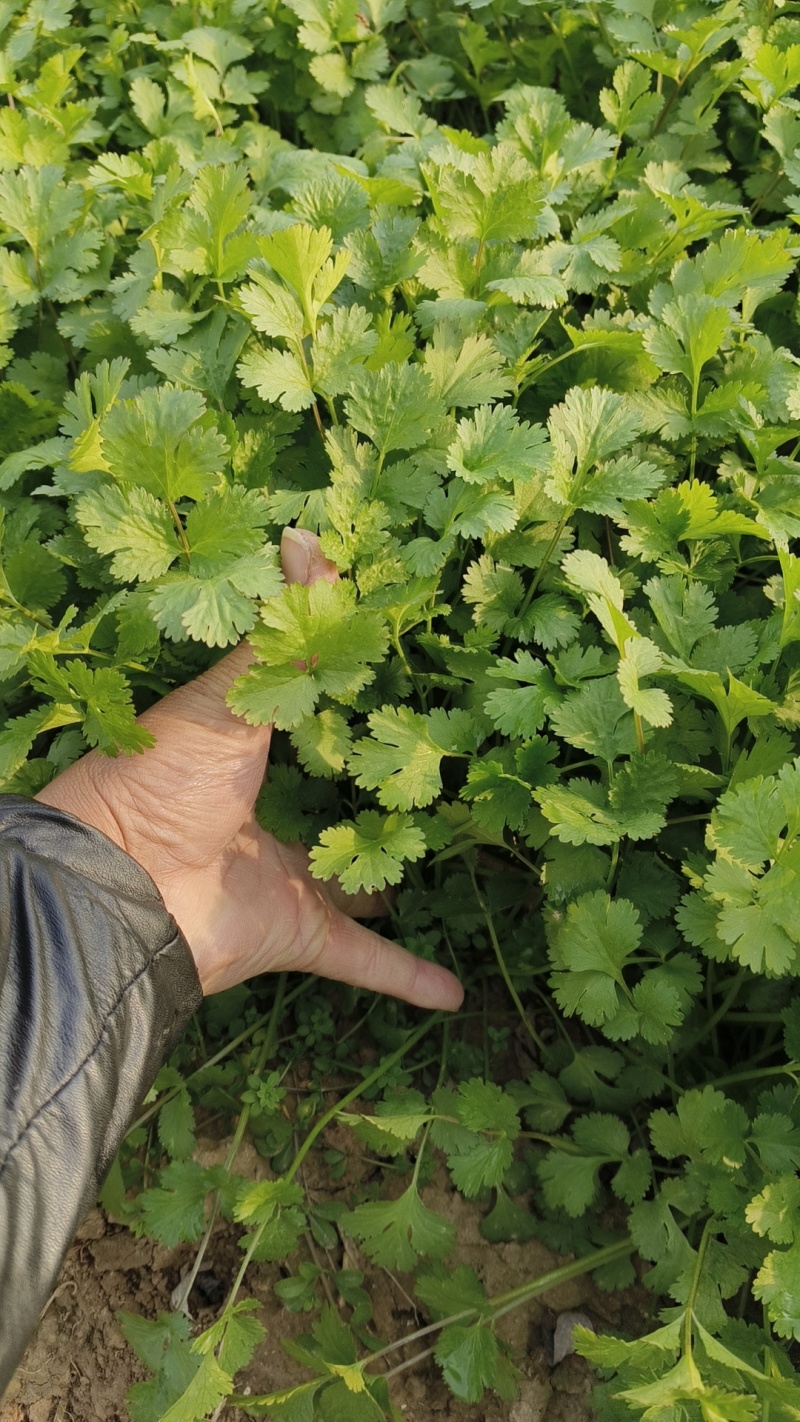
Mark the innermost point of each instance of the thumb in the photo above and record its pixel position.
(302, 559)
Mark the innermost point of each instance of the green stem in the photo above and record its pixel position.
(376, 476)
(478, 266)
(767, 192)
(380, 1070)
(504, 1303)
(556, 1142)
(542, 366)
(548, 553)
(6, 595)
(693, 447)
(688, 1317)
(668, 106)
(501, 1304)
(788, 1069)
(267, 1050)
(722, 1011)
(762, 1017)
(498, 952)
(181, 531)
(325, 1120)
(219, 1057)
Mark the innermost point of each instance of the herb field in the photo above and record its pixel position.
(500, 300)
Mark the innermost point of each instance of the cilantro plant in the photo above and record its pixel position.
(502, 301)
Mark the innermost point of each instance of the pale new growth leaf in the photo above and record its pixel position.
(368, 853)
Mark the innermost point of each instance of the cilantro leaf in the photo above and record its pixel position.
(521, 711)
(445, 1290)
(570, 1177)
(340, 348)
(591, 947)
(396, 1233)
(225, 526)
(176, 1130)
(301, 256)
(464, 373)
(641, 658)
(587, 429)
(499, 796)
(174, 1210)
(585, 812)
(402, 756)
(134, 527)
(479, 1154)
(206, 1390)
(367, 853)
(596, 720)
(776, 1210)
(323, 742)
(705, 1125)
(694, 328)
(158, 440)
(394, 407)
(101, 699)
(747, 898)
(218, 608)
(495, 444)
(777, 1285)
(498, 197)
(291, 806)
(472, 1359)
(278, 376)
(312, 641)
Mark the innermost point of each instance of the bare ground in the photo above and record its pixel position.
(78, 1367)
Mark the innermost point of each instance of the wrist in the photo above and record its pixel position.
(77, 792)
(74, 793)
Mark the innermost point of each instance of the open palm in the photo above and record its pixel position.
(184, 810)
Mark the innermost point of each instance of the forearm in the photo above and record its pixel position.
(96, 984)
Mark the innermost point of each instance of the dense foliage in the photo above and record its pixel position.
(501, 299)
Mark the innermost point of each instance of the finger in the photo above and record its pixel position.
(360, 905)
(302, 559)
(354, 954)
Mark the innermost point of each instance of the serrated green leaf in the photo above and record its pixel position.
(495, 444)
(313, 641)
(775, 1211)
(368, 853)
(157, 441)
(462, 372)
(446, 1291)
(133, 526)
(206, 1390)
(396, 1233)
(777, 1285)
(472, 1360)
(394, 407)
(174, 1210)
(176, 1126)
(402, 755)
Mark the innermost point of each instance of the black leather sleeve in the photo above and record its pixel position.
(96, 985)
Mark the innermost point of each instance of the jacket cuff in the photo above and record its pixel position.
(96, 986)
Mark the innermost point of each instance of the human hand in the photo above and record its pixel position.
(245, 903)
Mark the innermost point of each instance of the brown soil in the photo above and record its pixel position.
(78, 1367)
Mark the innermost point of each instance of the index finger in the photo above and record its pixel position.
(354, 954)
